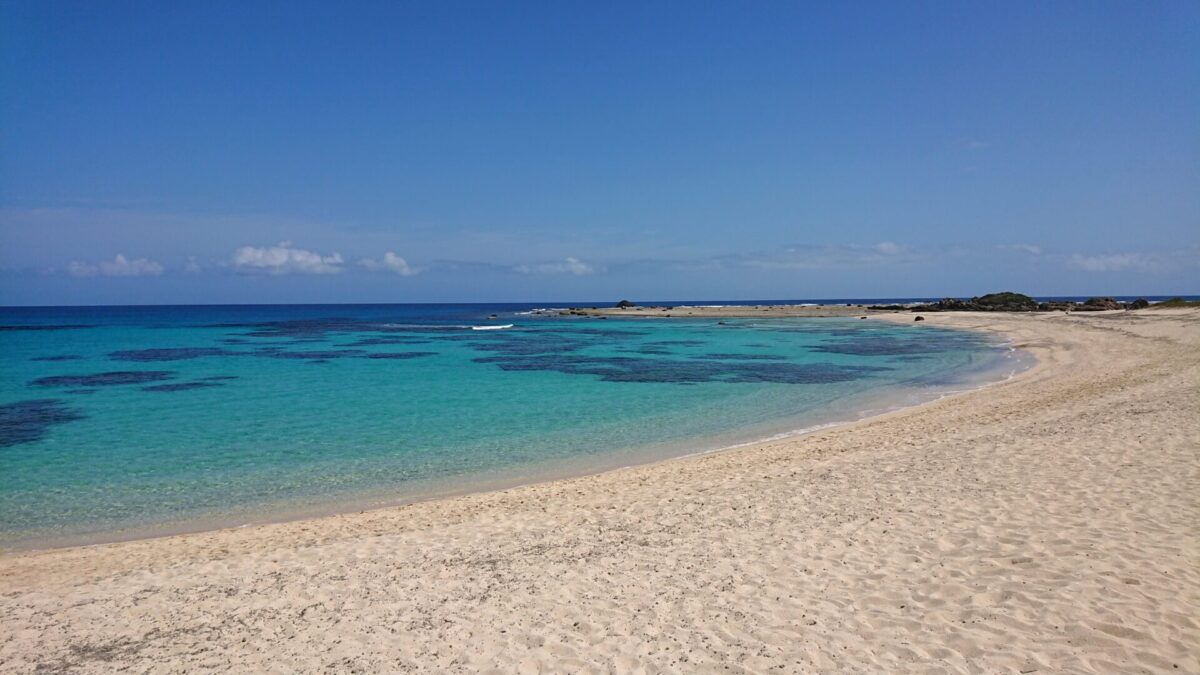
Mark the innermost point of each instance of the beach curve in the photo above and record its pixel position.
(1044, 523)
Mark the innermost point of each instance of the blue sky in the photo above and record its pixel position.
(374, 152)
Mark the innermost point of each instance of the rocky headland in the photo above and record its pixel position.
(1006, 301)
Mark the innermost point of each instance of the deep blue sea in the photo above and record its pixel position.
(123, 421)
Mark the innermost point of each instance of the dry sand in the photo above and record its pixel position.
(1045, 524)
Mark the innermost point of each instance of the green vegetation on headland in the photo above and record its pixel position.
(1007, 301)
(1177, 302)
(1004, 301)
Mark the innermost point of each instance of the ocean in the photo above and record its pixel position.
(118, 422)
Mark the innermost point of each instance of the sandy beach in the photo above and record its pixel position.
(1044, 524)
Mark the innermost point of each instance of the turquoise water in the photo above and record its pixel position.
(115, 421)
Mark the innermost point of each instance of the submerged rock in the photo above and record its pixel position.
(29, 421)
(104, 379)
(182, 386)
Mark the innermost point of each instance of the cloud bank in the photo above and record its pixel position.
(119, 266)
(1111, 263)
(1021, 248)
(824, 257)
(570, 265)
(283, 258)
(390, 263)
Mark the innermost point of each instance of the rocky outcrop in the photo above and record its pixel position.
(1007, 302)
(1017, 302)
(992, 302)
(1098, 305)
(1056, 306)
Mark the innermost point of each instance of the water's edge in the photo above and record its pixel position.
(867, 407)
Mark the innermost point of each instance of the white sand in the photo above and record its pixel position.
(1050, 524)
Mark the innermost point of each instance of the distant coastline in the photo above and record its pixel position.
(998, 302)
(556, 305)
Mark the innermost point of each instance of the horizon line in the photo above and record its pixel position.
(578, 303)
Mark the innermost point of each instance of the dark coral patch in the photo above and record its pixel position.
(628, 369)
(298, 341)
(305, 328)
(741, 357)
(181, 386)
(470, 337)
(532, 343)
(276, 353)
(603, 332)
(71, 326)
(218, 378)
(104, 379)
(58, 357)
(886, 345)
(819, 329)
(319, 329)
(648, 350)
(169, 354)
(272, 352)
(392, 340)
(874, 347)
(29, 421)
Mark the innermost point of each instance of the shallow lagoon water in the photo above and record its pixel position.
(115, 421)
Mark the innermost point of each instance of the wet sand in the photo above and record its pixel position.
(1048, 523)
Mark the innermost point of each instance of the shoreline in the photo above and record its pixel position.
(807, 310)
(518, 477)
(1046, 522)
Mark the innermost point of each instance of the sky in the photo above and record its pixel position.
(258, 152)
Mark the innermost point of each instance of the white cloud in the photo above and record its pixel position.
(191, 265)
(570, 265)
(119, 266)
(1111, 263)
(828, 257)
(283, 258)
(1024, 248)
(390, 263)
(82, 269)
